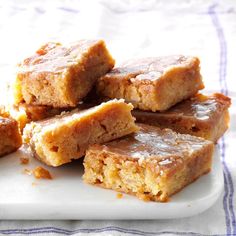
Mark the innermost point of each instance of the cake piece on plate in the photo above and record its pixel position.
(152, 164)
(60, 139)
(9, 132)
(203, 116)
(61, 75)
(153, 84)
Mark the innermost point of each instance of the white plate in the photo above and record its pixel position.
(67, 197)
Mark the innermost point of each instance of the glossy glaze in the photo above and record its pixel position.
(151, 68)
(151, 142)
(53, 57)
(200, 107)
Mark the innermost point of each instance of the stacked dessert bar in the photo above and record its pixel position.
(171, 145)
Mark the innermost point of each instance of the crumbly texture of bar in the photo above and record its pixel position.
(58, 140)
(9, 132)
(152, 164)
(203, 116)
(61, 75)
(153, 84)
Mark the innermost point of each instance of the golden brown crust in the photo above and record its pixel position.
(153, 83)
(61, 75)
(202, 116)
(152, 164)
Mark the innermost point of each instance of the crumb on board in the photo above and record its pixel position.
(34, 184)
(144, 197)
(41, 173)
(119, 195)
(27, 172)
(24, 160)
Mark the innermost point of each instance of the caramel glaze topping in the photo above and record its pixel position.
(200, 107)
(53, 57)
(164, 146)
(151, 68)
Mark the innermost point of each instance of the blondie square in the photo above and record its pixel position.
(153, 84)
(152, 164)
(65, 137)
(203, 116)
(61, 75)
(9, 132)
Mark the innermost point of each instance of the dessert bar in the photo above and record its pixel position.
(152, 164)
(60, 139)
(203, 116)
(153, 84)
(61, 75)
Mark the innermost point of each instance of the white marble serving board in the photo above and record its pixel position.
(67, 197)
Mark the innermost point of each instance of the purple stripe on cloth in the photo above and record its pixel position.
(226, 194)
(39, 10)
(224, 89)
(95, 230)
(231, 207)
(69, 10)
(223, 49)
